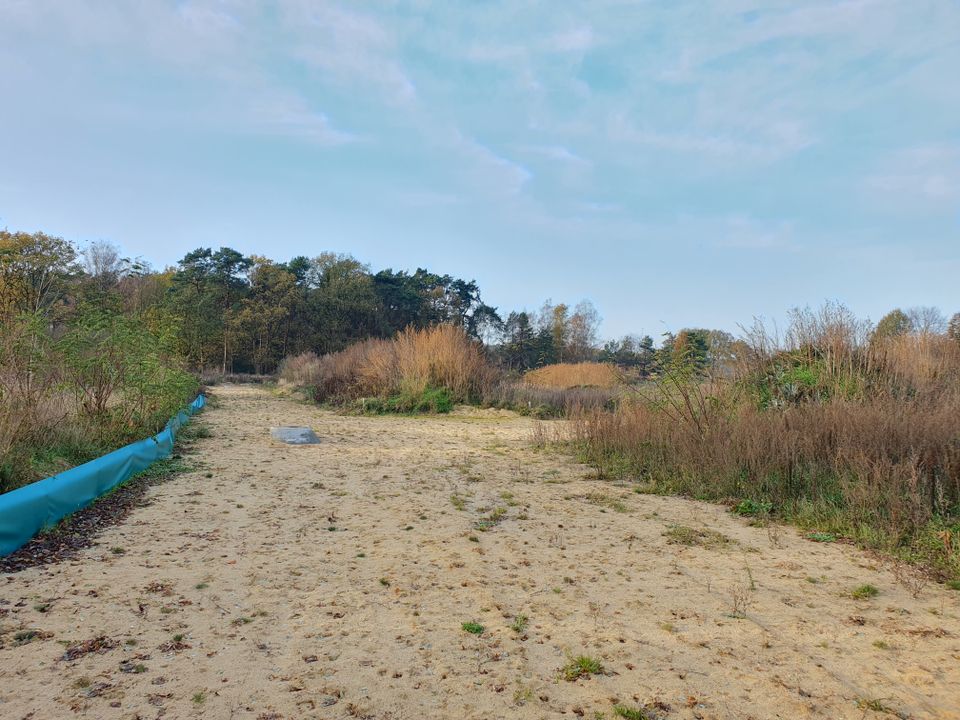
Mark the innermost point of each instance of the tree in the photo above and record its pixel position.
(953, 328)
(927, 320)
(692, 346)
(261, 320)
(893, 324)
(554, 322)
(583, 328)
(518, 345)
(35, 271)
(340, 305)
(104, 265)
(206, 289)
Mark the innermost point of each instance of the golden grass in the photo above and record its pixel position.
(443, 356)
(571, 375)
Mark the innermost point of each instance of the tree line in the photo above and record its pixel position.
(221, 310)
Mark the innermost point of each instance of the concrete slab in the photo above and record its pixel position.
(294, 435)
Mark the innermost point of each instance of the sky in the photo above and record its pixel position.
(678, 163)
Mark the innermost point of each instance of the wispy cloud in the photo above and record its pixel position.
(492, 172)
(350, 47)
(554, 152)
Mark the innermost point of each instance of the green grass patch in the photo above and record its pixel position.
(473, 628)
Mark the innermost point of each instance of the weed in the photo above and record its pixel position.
(201, 586)
(953, 584)
(385, 582)
(117, 550)
(740, 599)
(519, 623)
(864, 592)
(458, 502)
(580, 666)
(472, 628)
(822, 537)
(752, 507)
(875, 704)
(522, 695)
(702, 537)
(602, 500)
(491, 520)
(630, 713)
(25, 636)
(199, 697)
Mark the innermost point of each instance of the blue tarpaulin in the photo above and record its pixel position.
(27, 510)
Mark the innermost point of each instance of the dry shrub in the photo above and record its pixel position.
(926, 364)
(837, 431)
(415, 361)
(882, 471)
(303, 369)
(546, 402)
(571, 375)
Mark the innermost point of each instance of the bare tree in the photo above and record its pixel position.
(103, 264)
(927, 320)
(584, 328)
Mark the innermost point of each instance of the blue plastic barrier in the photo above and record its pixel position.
(27, 510)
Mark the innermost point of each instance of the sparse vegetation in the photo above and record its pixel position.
(864, 592)
(629, 713)
(581, 666)
(519, 623)
(702, 537)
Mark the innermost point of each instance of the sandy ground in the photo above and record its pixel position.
(332, 581)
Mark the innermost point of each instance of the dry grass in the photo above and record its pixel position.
(546, 402)
(575, 375)
(835, 432)
(408, 366)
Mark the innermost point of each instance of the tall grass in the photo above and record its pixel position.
(549, 402)
(571, 375)
(831, 429)
(427, 369)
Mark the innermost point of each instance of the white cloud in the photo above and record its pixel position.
(555, 152)
(493, 172)
(350, 47)
(287, 114)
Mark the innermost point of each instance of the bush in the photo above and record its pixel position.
(417, 371)
(103, 382)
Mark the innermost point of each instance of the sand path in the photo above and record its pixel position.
(332, 581)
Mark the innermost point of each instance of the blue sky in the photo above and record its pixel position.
(678, 163)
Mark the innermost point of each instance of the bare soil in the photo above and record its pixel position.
(333, 581)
